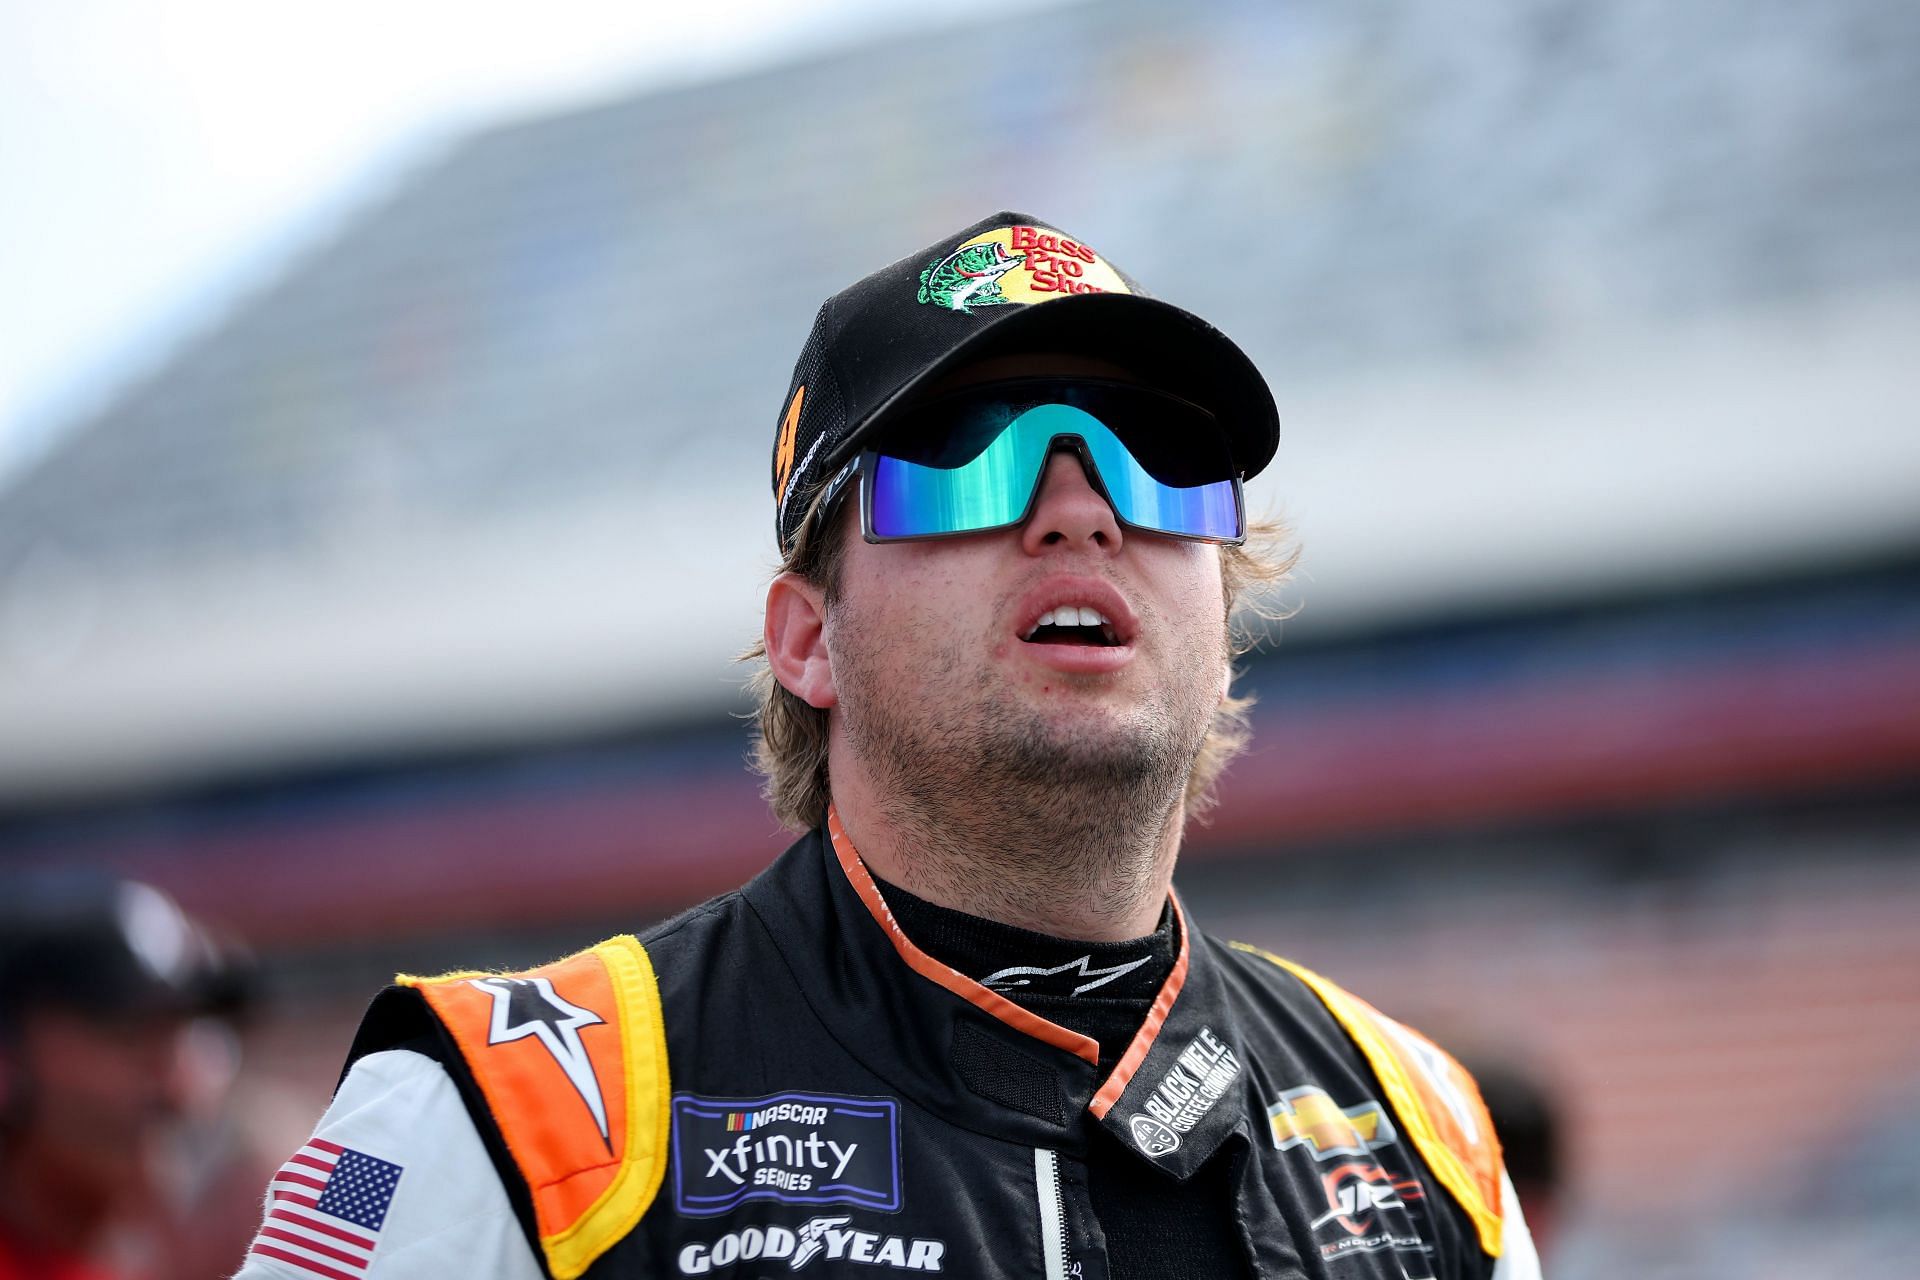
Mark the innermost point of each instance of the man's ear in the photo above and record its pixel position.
(796, 637)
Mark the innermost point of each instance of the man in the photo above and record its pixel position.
(963, 1025)
(99, 983)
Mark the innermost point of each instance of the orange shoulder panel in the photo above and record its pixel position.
(572, 1061)
(1437, 1102)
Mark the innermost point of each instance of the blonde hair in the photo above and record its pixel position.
(790, 736)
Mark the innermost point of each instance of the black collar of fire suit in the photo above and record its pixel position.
(979, 1061)
(1100, 989)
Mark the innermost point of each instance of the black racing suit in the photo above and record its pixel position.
(779, 1080)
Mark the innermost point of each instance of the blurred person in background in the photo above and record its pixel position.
(113, 1035)
(1526, 1114)
(962, 1026)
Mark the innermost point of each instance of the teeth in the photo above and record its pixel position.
(1070, 615)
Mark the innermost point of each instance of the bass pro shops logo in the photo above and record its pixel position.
(796, 1148)
(1016, 264)
(829, 1238)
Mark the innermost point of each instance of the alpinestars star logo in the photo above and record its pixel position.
(1024, 975)
(525, 1007)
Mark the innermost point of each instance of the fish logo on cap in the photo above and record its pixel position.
(1015, 264)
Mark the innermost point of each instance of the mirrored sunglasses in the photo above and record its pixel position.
(972, 461)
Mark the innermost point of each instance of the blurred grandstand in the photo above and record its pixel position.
(390, 623)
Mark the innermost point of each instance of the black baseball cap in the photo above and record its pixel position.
(97, 945)
(1009, 283)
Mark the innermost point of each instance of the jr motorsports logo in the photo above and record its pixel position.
(1016, 264)
(1195, 1081)
(1368, 1212)
(831, 1239)
(796, 1148)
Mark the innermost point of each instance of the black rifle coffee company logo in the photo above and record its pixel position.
(796, 1148)
(1198, 1078)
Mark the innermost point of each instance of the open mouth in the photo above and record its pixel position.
(1073, 624)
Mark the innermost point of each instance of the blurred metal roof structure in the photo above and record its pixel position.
(1556, 298)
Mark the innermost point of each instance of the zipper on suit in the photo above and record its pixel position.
(1053, 1213)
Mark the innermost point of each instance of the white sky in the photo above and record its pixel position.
(157, 156)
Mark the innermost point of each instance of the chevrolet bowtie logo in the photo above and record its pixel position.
(1307, 1116)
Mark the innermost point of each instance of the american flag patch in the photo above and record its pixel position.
(325, 1209)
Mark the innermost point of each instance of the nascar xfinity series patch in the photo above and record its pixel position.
(794, 1148)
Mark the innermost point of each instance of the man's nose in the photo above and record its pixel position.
(1069, 510)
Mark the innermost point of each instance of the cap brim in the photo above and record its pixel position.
(1162, 344)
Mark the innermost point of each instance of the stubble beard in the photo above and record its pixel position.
(1015, 812)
